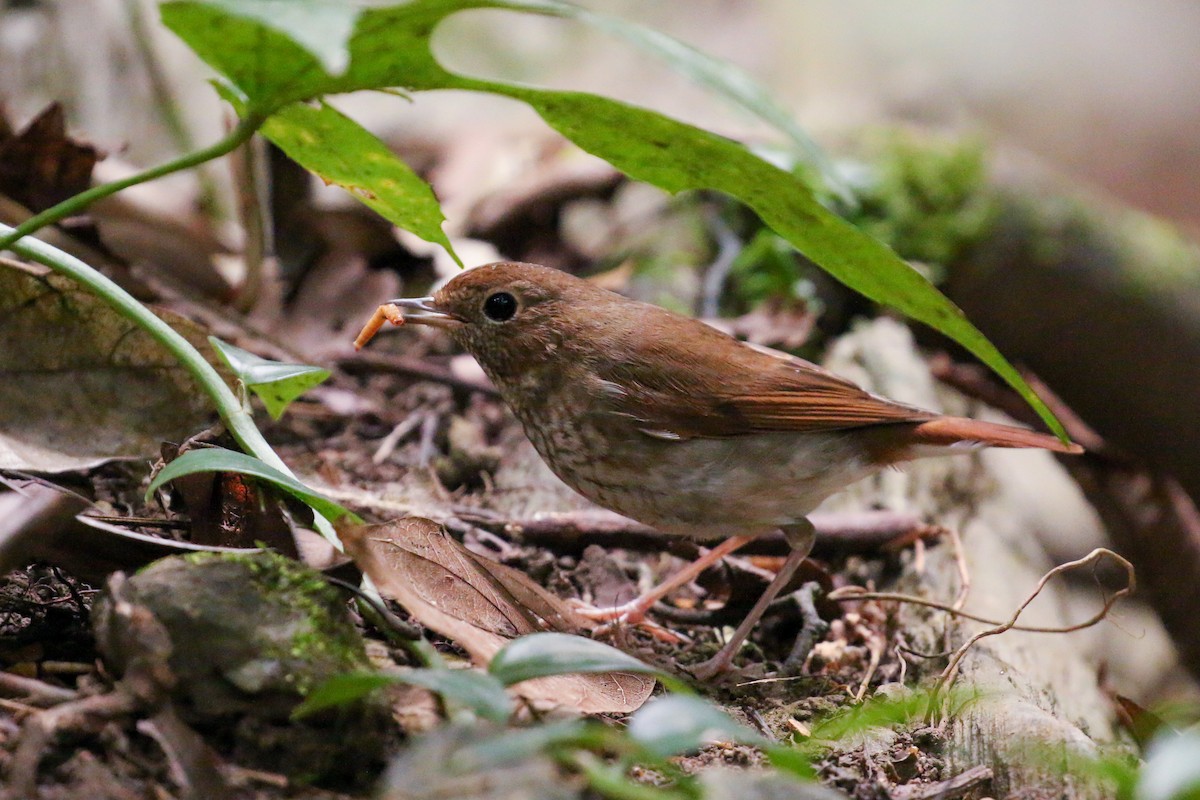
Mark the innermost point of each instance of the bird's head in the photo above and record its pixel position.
(512, 316)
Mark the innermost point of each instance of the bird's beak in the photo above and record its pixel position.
(423, 311)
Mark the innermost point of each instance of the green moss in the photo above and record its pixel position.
(324, 640)
(1148, 256)
(929, 199)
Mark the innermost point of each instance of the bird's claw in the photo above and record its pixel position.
(630, 613)
(710, 669)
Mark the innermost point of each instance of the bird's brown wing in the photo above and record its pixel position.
(709, 385)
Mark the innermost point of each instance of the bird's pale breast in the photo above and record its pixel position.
(701, 487)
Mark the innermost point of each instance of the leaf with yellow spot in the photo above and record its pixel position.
(340, 151)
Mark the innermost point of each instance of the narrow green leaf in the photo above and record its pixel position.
(541, 654)
(677, 724)
(276, 383)
(217, 459)
(339, 150)
(341, 690)
(675, 156)
(721, 77)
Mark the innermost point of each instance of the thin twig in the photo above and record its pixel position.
(388, 444)
(572, 531)
(964, 574)
(33, 691)
(248, 167)
(813, 627)
(76, 204)
(850, 594)
(876, 650)
(1096, 555)
(40, 730)
(165, 100)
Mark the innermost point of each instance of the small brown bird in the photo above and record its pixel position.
(666, 420)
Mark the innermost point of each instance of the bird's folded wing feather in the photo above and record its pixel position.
(711, 386)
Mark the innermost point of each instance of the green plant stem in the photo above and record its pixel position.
(76, 204)
(234, 414)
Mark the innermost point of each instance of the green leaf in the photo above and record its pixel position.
(477, 691)
(341, 690)
(322, 27)
(721, 77)
(468, 688)
(265, 64)
(541, 654)
(674, 156)
(677, 724)
(516, 745)
(217, 459)
(340, 151)
(277, 384)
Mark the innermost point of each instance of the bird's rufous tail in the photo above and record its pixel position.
(948, 431)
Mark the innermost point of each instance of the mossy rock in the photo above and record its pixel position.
(251, 635)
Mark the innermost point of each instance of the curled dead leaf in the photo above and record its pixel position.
(482, 605)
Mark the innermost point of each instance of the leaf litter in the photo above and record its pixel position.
(477, 603)
(482, 606)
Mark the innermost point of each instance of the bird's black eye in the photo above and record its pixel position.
(500, 307)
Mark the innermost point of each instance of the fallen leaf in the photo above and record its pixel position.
(41, 166)
(482, 605)
(41, 522)
(80, 384)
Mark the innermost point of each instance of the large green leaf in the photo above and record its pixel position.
(391, 47)
(218, 459)
(720, 77)
(339, 150)
(269, 67)
(322, 27)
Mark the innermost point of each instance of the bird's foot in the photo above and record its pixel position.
(631, 613)
(713, 667)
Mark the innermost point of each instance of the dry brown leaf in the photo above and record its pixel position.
(482, 605)
(41, 166)
(39, 522)
(80, 384)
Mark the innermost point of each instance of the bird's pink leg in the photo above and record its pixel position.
(801, 539)
(636, 609)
